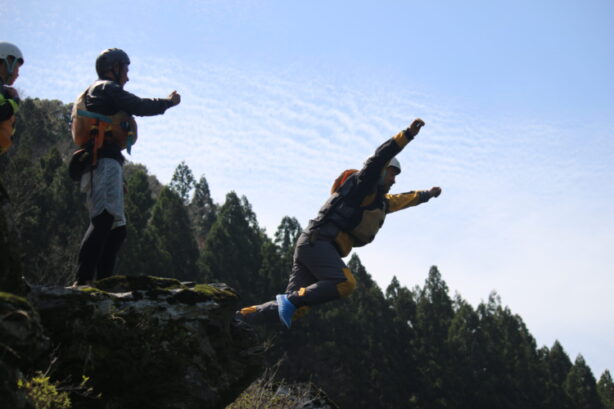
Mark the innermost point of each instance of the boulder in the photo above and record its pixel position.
(147, 342)
(23, 347)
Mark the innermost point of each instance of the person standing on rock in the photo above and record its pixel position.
(351, 217)
(103, 125)
(11, 59)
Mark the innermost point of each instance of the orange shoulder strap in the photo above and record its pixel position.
(341, 179)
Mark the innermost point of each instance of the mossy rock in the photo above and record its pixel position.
(20, 329)
(122, 284)
(151, 342)
(23, 346)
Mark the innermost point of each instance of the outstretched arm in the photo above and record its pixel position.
(133, 105)
(404, 200)
(372, 170)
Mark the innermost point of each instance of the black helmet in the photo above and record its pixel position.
(107, 59)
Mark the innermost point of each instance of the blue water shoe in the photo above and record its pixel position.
(286, 309)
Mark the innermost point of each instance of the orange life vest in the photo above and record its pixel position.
(88, 126)
(7, 129)
(357, 225)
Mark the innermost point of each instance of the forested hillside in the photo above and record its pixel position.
(392, 348)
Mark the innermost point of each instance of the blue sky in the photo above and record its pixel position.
(279, 97)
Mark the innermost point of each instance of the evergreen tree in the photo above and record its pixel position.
(468, 365)
(433, 316)
(202, 210)
(170, 226)
(140, 254)
(139, 198)
(277, 256)
(581, 387)
(272, 277)
(182, 182)
(514, 376)
(287, 234)
(403, 303)
(557, 366)
(605, 388)
(232, 253)
(46, 209)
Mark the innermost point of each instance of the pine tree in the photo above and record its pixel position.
(557, 365)
(170, 226)
(605, 388)
(139, 199)
(287, 234)
(140, 254)
(232, 253)
(182, 182)
(514, 375)
(581, 387)
(202, 210)
(403, 303)
(468, 366)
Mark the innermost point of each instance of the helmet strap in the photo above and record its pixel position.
(10, 66)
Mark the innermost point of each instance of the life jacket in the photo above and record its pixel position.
(91, 127)
(356, 225)
(7, 127)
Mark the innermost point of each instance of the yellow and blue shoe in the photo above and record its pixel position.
(286, 309)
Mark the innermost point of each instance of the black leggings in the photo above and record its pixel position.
(99, 249)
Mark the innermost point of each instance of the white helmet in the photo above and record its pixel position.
(394, 162)
(10, 50)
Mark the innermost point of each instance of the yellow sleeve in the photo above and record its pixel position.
(404, 200)
(400, 139)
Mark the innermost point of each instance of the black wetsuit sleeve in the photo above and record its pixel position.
(369, 175)
(108, 98)
(133, 105)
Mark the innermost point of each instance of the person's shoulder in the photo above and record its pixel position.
(106, 86)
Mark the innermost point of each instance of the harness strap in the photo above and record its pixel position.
(94, 115)
(97, 132)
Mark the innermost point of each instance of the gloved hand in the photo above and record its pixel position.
(175, 98)
(414, 128)
(435, 191)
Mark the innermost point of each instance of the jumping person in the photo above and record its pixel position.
(103, 126)
(351, 217)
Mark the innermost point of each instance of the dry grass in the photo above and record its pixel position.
(269, 393)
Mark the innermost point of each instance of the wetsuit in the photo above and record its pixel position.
(351, 217)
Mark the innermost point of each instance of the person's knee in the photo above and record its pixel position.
(346, 287)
